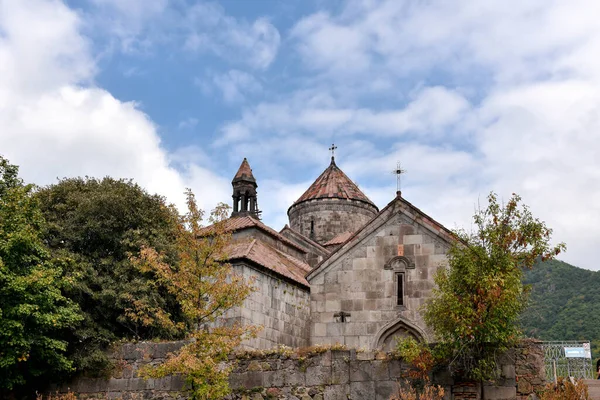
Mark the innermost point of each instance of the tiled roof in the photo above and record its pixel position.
(238, 223)
(244, 172)
(339, 239)
(307, 240)
(333, 183)
(270, 258)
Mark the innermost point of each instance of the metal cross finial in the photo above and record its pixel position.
(332, 149)
(398, 172)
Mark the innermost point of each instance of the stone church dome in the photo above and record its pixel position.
(331, 206)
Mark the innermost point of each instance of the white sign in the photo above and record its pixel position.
(577, 352)
(587, 350)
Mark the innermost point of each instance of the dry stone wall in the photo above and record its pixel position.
(316, 375)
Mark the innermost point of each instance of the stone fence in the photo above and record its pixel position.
(317, 375)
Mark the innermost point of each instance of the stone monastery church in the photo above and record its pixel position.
(342, 271)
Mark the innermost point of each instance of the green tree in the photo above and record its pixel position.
(206, 287)
(475, 307)
(34, 314)
(99, 223)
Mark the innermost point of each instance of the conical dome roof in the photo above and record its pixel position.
(244, 173)
(333, 183)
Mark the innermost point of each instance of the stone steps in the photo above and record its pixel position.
(593, 388)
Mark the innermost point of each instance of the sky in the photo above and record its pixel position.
(471, 97)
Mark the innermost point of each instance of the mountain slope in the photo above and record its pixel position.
(564, 304)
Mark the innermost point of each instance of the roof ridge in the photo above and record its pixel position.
(279, 235)
(309, 240)
(248, 221)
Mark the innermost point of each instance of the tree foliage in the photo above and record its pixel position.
(475, 307)
(416, 383)
(98, 223)
(206, 288)
(34, 314)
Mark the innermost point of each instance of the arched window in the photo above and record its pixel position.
(399, 265)
(399, 276)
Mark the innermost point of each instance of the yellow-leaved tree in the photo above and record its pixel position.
(206, 287)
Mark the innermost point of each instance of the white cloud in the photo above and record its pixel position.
(324, 44)
(274, 199)
(188, 123)
(131, 26)
(235, 84)
(518, 40)
(431, 110)
(140, 26)
(40, 50)
(53, 124)
(208, 28)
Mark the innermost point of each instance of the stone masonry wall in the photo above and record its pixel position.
(359, 284)
(331, 217)
(302, 375)
(280, 307)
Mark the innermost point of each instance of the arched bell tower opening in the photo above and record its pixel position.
(244, 192)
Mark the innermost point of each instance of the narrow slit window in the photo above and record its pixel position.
(400, 289)
(312, 226)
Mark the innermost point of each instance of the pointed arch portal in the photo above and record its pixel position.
(386, 337)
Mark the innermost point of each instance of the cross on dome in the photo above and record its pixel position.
(332, 149)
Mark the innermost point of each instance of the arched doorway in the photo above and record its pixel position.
(386, 338)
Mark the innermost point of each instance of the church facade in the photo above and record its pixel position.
(342, 271)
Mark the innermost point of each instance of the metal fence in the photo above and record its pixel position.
(555, 359)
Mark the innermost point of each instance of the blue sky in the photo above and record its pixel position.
(469, 96)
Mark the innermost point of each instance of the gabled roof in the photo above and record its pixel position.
(244, 172)
(333, 183)
(286, 230)
(270, 258)
(399, 204)
(339, 239)
(234, 224)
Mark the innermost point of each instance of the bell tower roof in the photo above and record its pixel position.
(244, 173)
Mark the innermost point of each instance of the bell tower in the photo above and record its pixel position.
(244, 192)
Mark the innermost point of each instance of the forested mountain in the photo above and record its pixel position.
(565, 303)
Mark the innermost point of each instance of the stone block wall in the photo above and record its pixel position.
(363, 283)
(331, 217)
(341, 374)
(124, 382)
(305, 375)
(280, 307)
